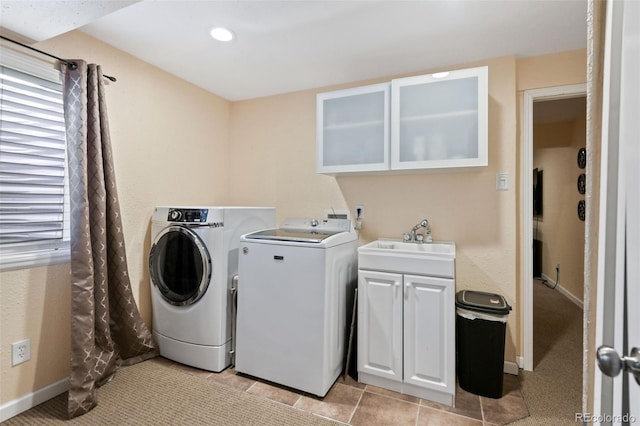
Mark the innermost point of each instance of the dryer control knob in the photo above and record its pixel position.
(314, 222)
(175, 214)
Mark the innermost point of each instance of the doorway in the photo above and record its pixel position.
(559, 140)
(531, 98)
(559, 182)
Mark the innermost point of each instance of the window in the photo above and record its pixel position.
(34, 202)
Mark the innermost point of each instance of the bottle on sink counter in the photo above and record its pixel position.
(427, 235)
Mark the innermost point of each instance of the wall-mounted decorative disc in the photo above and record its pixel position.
(581, 210)
(582, 158)
(582, 183)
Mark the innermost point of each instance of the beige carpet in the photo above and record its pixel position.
(553, 391)
(150, 393)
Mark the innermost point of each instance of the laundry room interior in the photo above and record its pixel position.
(178, 145)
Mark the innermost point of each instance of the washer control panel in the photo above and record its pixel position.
(187, 215)
(317, 225)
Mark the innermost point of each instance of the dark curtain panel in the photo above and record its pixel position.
(106, 328)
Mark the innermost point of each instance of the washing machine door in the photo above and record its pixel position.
(180, 265)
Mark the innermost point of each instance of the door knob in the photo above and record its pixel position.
(610, 363)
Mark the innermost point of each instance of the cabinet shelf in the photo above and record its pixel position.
(452, 114)
(349, 126)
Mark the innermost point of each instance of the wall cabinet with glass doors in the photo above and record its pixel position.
(353, 129)
(423, 122)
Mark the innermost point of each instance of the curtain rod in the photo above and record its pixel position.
(72, 65)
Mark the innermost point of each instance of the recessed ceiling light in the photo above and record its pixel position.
(440, 75)
(221, 34)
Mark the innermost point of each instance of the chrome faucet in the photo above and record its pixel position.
(412, 237)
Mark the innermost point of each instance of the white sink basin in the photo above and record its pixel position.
(443, 248)
(435, 259)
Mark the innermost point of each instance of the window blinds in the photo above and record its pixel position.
(33, 200)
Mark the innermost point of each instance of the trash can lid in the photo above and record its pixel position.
(482, 302)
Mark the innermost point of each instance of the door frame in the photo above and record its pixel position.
(526, 204)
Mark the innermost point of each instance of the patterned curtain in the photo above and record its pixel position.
(106, 328)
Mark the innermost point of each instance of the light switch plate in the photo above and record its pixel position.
(502, 181)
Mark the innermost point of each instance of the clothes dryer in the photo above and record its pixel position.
(193, 259)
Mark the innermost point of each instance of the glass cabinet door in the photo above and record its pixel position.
(353, 129)
(440, 120)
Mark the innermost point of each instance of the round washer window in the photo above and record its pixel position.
(180, 265)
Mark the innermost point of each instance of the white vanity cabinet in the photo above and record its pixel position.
(423, 122)
(406, 334)
(353, 129)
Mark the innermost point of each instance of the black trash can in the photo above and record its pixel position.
(481, 322)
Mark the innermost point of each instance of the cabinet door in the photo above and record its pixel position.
(440, 120)
(429, 333)
(380, 324)
(353, 129)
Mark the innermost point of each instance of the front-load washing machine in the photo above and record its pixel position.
(295, 291)
(193, 259)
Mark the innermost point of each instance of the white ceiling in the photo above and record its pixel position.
(285, 46)
(37, 20)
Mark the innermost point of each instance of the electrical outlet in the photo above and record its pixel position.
(20, 352)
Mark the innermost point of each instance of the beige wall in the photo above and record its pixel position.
(262, 152)
(273, 150)
(170, 143)
(558, 69)
(34, 304)
(556, 147)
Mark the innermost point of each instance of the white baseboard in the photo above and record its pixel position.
(520, 362)
(511, 368)
(564, 292)
(24, 403)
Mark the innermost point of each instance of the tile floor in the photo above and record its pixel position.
(354, 403)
